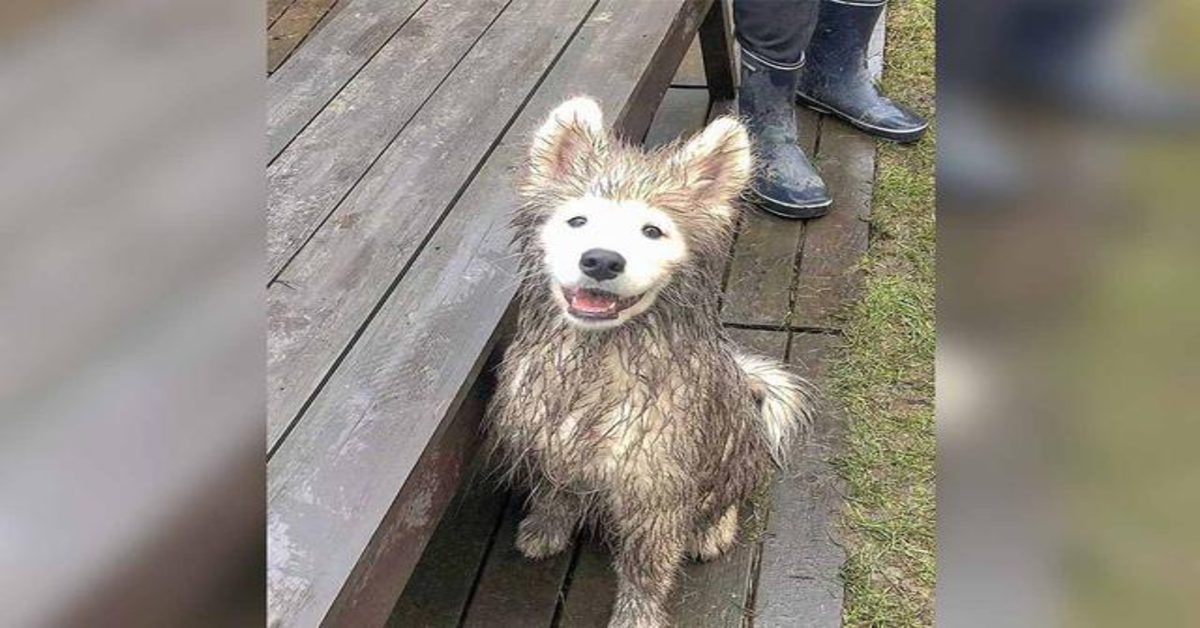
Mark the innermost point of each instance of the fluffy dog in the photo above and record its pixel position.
(621, 402)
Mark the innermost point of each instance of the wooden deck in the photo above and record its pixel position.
(786, 283)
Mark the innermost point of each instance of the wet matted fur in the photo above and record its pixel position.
(642, 418)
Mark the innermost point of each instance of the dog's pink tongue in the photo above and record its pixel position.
(587, 301)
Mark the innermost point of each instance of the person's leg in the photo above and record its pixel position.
(775, 31)
(773, 35)
(836, 80)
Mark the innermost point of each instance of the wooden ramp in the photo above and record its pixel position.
(786, 283)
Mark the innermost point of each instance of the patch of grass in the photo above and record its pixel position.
(884, 377)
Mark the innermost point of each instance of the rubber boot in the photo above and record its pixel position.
(835, 79)
(785, 182)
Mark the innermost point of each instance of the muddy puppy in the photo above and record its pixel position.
(621, 402)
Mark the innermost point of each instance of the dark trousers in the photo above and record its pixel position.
(776, 32)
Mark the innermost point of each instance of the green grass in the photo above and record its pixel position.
(884, 377)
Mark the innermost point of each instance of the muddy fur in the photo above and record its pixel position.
(657, 429)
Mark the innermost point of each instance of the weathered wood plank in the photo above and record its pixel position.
(375, 575)
(681, 114)
(333, 284)
(286, 33)
(766, 342)
(275, 8)
(441, 584)
(763, 269)
(638, 111)
(325, 161)
(798, 580)
(716, 45)
(333, 482)
(691, 70)
(310, 78)
(592, 592)
(513, 590)
(830, 276)
(715, 594)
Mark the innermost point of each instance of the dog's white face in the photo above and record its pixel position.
(607, 259)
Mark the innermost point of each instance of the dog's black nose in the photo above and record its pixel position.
(601, 264)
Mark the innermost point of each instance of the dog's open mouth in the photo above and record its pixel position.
(596, 304)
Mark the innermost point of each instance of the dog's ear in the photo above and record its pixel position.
(570, 136)
(717, 163)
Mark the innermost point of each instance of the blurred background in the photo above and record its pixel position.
(132, 324)
(1068, 485)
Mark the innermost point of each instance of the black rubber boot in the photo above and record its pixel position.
(785, 182)
(835, 78)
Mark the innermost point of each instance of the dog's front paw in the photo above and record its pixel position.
(539, 538)
(717, 539)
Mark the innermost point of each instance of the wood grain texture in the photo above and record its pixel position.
(441, 584)
(681, 114)
(328, 158)
(765, 342)
(798, 580)
(716, 46)
(589, 600)
(513, 590)
(329, 59)
(330, 288)
(691, 69)
(638, 111)
(762, 272)
(385, 563)
(333, 482)
(275, 8)
(715, 594)
(292, 26)
(830, 276)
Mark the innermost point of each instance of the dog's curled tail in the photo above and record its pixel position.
(787, 401)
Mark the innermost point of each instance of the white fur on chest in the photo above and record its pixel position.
(616, 430)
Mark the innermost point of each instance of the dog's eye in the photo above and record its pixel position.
(652, 232)
(577, 221)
